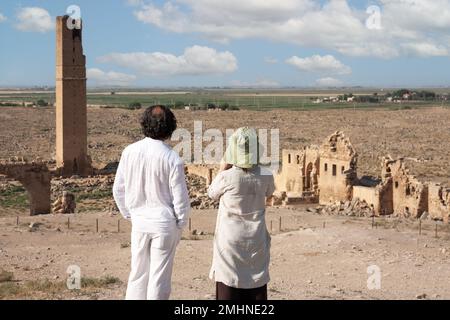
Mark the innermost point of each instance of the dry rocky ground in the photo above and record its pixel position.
(313, 257)
(420, 134)
(317, 254)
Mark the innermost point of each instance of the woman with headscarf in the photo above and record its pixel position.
(242, 243)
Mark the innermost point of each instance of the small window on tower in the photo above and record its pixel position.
(334, 170)
(289, 158)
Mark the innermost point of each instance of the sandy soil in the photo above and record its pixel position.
(310, 260)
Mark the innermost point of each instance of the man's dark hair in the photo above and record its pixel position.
(158, 122)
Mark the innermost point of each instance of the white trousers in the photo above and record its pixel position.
(152, 256)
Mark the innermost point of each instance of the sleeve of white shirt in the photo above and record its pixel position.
(119, 190)
(181, 201)
(217, 187)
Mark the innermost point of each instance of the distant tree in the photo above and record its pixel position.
(400, 93)
(179, 105)
(426, 95)
(135, 106)
(225, 106)
(41, 103)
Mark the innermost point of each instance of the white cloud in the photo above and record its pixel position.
(195, 60)
(2, 18)
(425, 49)
(317, 63)
(112, 78)
(259, 83)
(328, 82)
(34, 19)
(333, 25)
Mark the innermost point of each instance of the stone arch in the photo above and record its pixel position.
(35, 178)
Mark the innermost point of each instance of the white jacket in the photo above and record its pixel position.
(150, 187)
(241, 253)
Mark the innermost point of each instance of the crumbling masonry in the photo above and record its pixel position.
(335, 168)
(35, 178)
(71, 105)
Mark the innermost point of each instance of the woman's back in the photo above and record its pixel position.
(242, 243)
(242, 191)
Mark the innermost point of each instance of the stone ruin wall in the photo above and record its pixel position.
(206, 172)
(439, 202)
(338, 165)
(409, 195)
(35, 178)
(300, 171)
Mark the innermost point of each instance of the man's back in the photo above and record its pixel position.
(150, 189)
(155, 192)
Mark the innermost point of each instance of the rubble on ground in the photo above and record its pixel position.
(198, 193)
(65, 204)
(353, 208)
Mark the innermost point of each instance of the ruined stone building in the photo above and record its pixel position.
(338, 162)
(410, 196)
(439, 202)
(324, 174)
(299, 178)
(71, 105)
(330, 173)
(398, 192)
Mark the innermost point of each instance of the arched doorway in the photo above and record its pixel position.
(35, 179)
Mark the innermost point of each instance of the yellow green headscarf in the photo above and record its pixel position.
(243, 148)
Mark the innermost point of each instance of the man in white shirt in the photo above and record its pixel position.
(150, 190)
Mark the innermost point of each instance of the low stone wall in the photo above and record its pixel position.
(208, 173)
(439, 202)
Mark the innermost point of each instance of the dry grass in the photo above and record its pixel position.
(88, 282)
(6, 276)
(46, 289)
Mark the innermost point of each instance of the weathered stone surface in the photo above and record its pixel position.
(65, 204)
(198, 193)
(35, 178)
(71, 105)
(354, 208)
(338, 169)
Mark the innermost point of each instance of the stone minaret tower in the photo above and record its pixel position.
(71, 104)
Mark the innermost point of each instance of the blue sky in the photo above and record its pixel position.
(300, 43)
